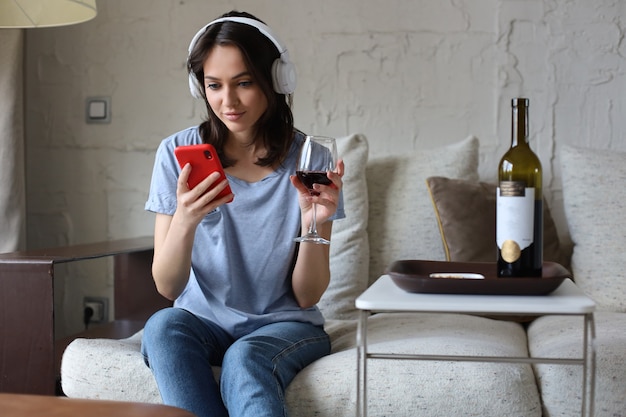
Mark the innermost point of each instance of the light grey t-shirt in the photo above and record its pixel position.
(243, 251)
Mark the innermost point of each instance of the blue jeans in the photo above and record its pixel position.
(180, 349)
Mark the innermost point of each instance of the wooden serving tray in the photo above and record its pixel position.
(414, 276)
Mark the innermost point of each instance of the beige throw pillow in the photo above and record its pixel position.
(349, 247)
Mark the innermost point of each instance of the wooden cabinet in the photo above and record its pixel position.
(29, 351)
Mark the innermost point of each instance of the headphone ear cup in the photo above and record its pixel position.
(284, 76)
(194, 86)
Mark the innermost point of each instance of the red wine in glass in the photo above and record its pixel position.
(309, 178)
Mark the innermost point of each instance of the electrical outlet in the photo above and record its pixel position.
(100, 307)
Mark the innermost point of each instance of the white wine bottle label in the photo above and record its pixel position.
(515, 211)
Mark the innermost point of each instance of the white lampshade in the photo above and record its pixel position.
(45, 13)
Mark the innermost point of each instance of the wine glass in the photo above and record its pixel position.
(317, 156)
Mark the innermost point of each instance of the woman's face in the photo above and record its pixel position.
(233, 95)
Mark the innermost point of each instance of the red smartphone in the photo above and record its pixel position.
(204, 161)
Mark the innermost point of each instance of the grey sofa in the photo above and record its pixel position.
(391, 216)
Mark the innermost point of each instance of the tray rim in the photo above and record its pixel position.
(490, 285)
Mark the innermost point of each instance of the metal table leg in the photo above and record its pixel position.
(361, 367)
(589, 366)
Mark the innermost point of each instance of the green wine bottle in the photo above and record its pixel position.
(519, 200)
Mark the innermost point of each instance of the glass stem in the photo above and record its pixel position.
(313, 226)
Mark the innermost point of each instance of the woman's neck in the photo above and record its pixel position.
(246, 155)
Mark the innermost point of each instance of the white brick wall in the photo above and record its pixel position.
(407, 73)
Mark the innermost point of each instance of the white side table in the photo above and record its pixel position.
(567, 299)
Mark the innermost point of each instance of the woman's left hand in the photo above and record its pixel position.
(328, 198)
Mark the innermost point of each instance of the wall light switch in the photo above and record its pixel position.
(98, 110)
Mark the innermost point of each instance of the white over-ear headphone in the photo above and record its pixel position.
(283, 70)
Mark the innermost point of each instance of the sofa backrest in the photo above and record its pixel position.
(389, 215)
(594, 199)
(402, 223)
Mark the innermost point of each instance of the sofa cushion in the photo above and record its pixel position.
(561, 386)
(327, 388)
(466, 215)
(349, 248)
(108, 369)
(114, 369)
(402, 223)
(594, 199)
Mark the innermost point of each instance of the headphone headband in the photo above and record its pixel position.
(283, 70)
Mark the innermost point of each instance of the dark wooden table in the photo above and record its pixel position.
(29, 351)
(17, 405)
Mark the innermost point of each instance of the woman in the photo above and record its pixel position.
(244, 292)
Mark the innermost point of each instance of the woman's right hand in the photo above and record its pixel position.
(194, 204)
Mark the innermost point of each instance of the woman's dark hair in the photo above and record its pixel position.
(275, 127)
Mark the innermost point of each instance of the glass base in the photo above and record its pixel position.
(312, 238)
